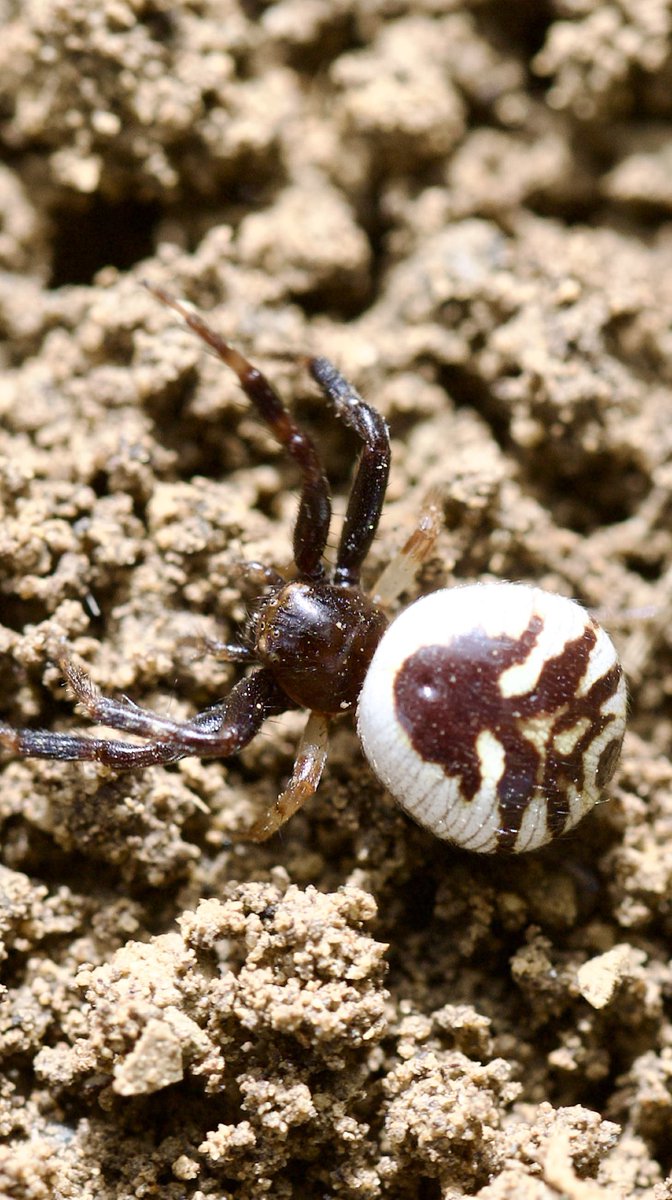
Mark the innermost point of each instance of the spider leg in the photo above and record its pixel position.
(70, 747)
(308, 766)
(368, 489)
(401, 570)
(218, 732)
(219, 724)
(312, 522)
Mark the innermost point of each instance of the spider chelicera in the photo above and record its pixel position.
(313, 637)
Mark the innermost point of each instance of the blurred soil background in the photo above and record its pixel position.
(468, 207)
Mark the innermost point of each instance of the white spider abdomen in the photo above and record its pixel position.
(494, 713)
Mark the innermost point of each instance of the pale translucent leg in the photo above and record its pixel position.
(399, 574)
(308, 767)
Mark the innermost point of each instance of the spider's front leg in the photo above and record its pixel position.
(218, 732)
(73, 747)
(370, 483)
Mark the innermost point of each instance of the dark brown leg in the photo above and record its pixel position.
(218, 732)
(312, 523)
(71, 747)
(368, 489)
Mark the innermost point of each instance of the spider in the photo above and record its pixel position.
(493, 712)
(314, 636)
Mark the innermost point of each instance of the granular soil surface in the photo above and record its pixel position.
(467, 207)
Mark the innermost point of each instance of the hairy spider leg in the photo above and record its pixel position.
(314, 516)
(399, 574)
(218, 732)
(369, 485)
